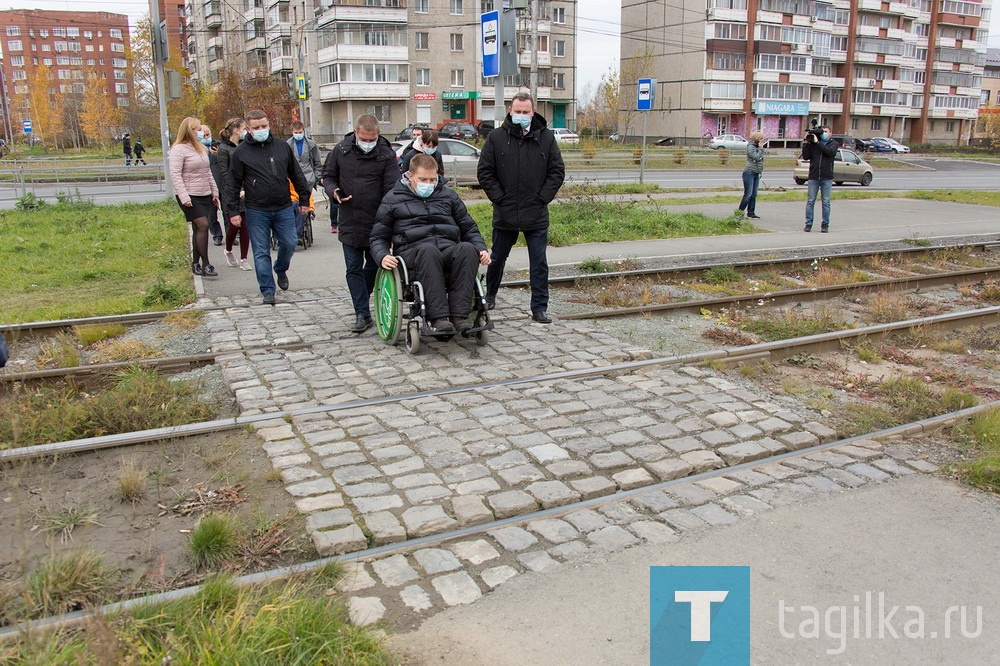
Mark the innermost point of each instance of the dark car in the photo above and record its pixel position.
(852, 143)
(407, 134)
(485, 127)
(455, 130)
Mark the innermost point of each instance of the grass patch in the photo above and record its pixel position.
(67, 582)
(183, 322)
(213, 540)
(94, 333)
(66, 519)
(622, 292)
(138, 399)
(730, 337)
(982, 431)
(867, 353)
(791, 324)
(131, 482)
(596, 265)
(297, 621)
(59, 351)
(886, 306)
(721, 275)
(899, 400)
(66, 261)
(126, 349)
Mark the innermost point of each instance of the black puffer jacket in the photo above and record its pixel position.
(521, 174)
(404, 161)
(404, 219)
(262, 170)
(820, 156)
(225, 156)
(366, 178)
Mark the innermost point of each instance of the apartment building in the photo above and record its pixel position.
(403, 61)
(174, 12)
(990, 94)
(911, 69)
(70, 44)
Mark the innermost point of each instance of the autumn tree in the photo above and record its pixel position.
(99, 115)
(239, 90)
(626, 86)
(43, 104)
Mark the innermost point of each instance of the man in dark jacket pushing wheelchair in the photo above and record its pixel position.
(427, 224)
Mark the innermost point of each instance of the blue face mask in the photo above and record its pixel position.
(298, 137)
(260, 135)
(207, 142)
(430, 151)
(424, 190)
(825, 136)
(522, 119)
(199, 135)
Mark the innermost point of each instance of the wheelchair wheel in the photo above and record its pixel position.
(413, 337)
(388, 301)
(307, 233)
(482, 337)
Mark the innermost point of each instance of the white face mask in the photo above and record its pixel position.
(199, 135)
(298, 137)
(367, 146)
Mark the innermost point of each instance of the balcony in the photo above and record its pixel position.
(724, 75)
(214, 42)
(544, 59)
(216, 65)
(870, 5)
(282, 64)
(213, 15)
(723, 105)
(358, 10)
(279, 31)
(334, 92)
(825, 107)
(362, 53)
(255, 43)
(254, 14)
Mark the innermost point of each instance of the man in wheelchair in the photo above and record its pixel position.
(426, 223)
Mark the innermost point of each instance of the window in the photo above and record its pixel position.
(729, 61)
(458, 78)
(60, 46)
(781, 63)
(421, 41)
(724, 90)
(66, 88)
(88, 34)
(89, 48)
(115, 33)
(376, 37)
(34, 61)
(121, 88)
(119, 62)
(984, 97)
(73, 32)
(559, 15)
(822, 67)
(17, 61)
(423, 77)
(58, 32)
(832, 95)
(91, 62)
(949, 126)
(13, 30)
(123, 101)
(120, 74)
(780, 91)
(559, 80)
(76, 60)
(456, 7)
(838, 43)
(43, 33)
(48, 62)
(420, 6)
(457, 43)
(20, 75)
(921, 29)
(731, 31)
(64, 74)
(559, 48)
(382, 112)
(14, 45)
(75, 47)
(876, 124)
(115, 46)
(954, 102)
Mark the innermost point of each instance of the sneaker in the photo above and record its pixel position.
(269, 299)
(245, 265)
(442, 326)
(807, 228)
(231, 259)
(283, 281)
(824, 230)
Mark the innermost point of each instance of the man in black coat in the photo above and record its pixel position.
(358, 172)
(521, 169)
(820, 152)
(428, 225)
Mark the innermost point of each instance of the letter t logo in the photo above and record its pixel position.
(701, 610)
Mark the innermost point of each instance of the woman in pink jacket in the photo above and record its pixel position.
(195, 187)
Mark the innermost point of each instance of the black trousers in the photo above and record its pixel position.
(214, 227)
(448, 277)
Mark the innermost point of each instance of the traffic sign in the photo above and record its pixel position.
(300, 84)
(647, 94)
(26, 126)
(491, 41)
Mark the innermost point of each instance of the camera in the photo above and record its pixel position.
(815, 130)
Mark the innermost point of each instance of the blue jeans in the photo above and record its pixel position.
(751, 181)
(538, 265)
(360, 277)
(261, 224)
(816, 185)
(300, 221)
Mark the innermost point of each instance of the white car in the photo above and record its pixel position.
(461, 161)
(894, 145)
(563, 135)
(728, 141)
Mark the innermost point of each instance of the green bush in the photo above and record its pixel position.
(30, 202)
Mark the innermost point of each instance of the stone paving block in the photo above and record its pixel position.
(684, 444)
(415, 598)
(283, 447)
(702, 460)
(648, 452)
(668, 470)
(620, 513)
(509, 459)
(465, 473)
(335, 449)
(554, 530)
(427, 494)
(538, 561)
(355, 578)
(377, 503)
(344, 459)
(716, 438)
(773, 425)
(552, 493)
(822, 484)
(315, 487)
(892, 467)
(745, 505)
(457, 588)
(429, 519)
(610, 460)
(327, 519)
(291, 475)
(276, 433)
(354, 474)
(843, 477)
(366, 489)
(859, 452)
(750, 477)
(735, 454)
(798, 440)
(281, 462)
(922, 465)
(632, 478)
(586, 520)
(691, 494)
(655, 501)
(777, 471)
(612, 538)
(824, 432)
(682, 519)
(384, 527)
(594, 486)
(513, 538)
(496, 576)
(586, 446)
(784, 493)
(626, 438)
(713, 514)
(394, 570)
(391, 452)
(470, 510)
(344, 540)
(566, 468)
(474, 552)
(653, 532)
(512, 503)
(319, 503)
(548, 453)
(723, 419)
(416, 480)
(662, 431)
(720, 485)
(831, 458)
(436, 560)
(569, 550)
(363, 611)
(477, 487)
(521, 474)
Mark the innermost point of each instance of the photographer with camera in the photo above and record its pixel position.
(819, 150)
(751, 174)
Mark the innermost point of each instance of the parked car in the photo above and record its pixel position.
(407, 134)
(852, 143)
(454, 130)
(847, 167)
(563, 135)
(728, 141)
(460, 161)
(885, 145)
(485, 127)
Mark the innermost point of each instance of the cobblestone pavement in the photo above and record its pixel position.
(383, 474)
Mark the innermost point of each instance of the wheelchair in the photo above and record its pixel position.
(305, 238)
(400, 311)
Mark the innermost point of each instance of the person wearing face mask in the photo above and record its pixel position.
(307, 153)
(521, 169)
(358, 172)
(819, 151)
(751, 174)
(425, 222)
(205, 136)
(262, 166)
(196, 190)
(232, 135)
(428, 146)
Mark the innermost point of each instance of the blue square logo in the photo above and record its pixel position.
(699, 615)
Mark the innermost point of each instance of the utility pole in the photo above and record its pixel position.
(6, 110)
(160, 55)
(533, 76)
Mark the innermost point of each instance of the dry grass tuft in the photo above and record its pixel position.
(118, 351)
(131, 483)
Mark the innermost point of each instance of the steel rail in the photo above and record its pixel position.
(264, 577)
(833, 339)
(147, 317)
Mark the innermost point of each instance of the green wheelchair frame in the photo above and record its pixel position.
(400, 311)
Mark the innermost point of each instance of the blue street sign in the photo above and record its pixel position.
(491, 43)
(26, 126)
(300, 85)
(647, 93)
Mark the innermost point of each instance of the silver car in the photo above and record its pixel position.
(847, 167)
(728, 141)
(460, 161)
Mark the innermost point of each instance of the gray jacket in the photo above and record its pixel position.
(312, 165)
(755, 159)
